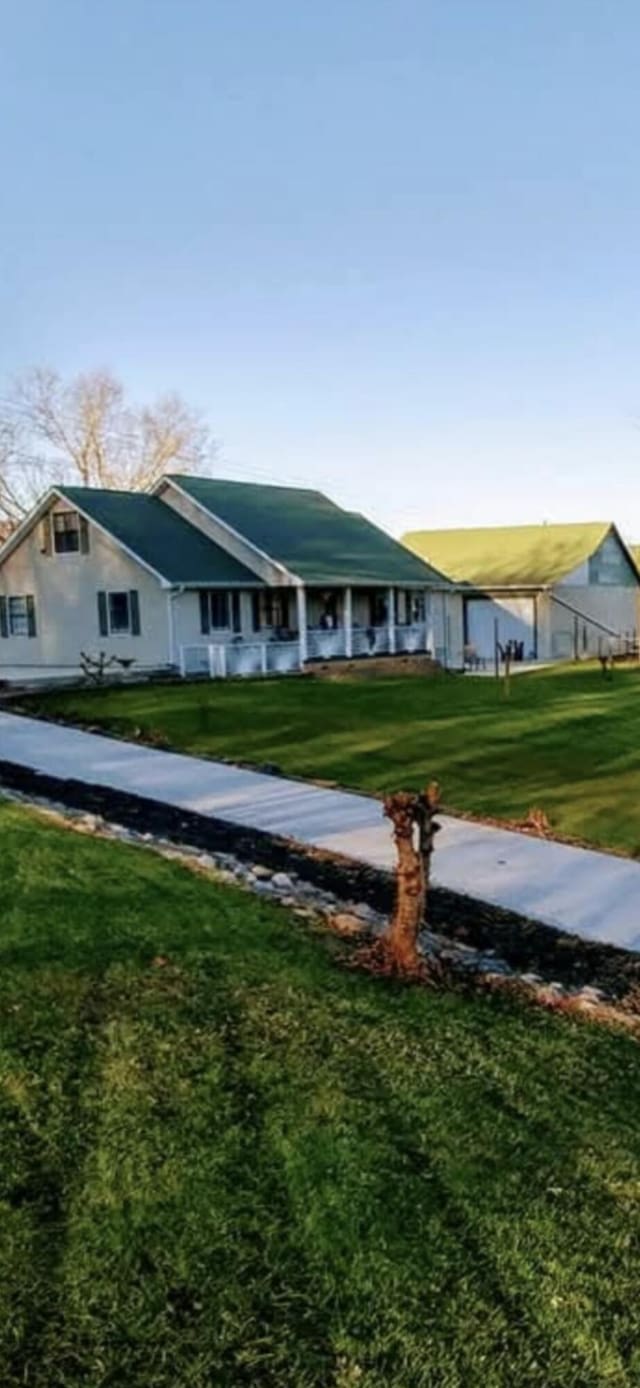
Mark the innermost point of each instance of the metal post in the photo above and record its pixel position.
(348, 623)
(301, 604)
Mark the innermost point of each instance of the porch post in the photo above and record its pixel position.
(427, 618)
(391, 619)
(348, 623)
(301, 604)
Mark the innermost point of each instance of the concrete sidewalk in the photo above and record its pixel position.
(592, 894)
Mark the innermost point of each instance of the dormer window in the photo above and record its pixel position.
(70, 533)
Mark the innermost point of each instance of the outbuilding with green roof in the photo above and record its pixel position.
(551, 592)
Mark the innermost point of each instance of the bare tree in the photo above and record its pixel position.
(84, 431)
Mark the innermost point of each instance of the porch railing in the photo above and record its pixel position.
(222, 660)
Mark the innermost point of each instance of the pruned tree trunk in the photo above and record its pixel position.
(412, 817)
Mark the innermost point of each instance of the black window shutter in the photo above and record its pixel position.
(103, 620)
(84, 534)
(4, 620)
(31, 616)
(236, 613)
(255, 611)
(45, 536)
(205, 624)
(134, 608)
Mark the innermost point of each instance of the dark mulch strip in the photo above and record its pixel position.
(527, 945)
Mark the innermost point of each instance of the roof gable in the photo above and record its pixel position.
(525, 556)
(307, 533)
(166, 543)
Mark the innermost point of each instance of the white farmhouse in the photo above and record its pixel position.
(210, 576)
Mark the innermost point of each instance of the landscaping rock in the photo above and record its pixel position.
(345, 924)
(281, 882)
(365, 913)
(262, 874)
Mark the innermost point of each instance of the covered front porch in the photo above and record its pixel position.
(281, 630)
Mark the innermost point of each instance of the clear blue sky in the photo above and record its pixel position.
(390, 248)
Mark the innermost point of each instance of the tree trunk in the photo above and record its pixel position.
(414, 830)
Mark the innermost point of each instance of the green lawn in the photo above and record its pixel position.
(566, 741)
(248, 1166)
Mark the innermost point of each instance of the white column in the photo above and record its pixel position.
(301, 602)
(427, 619)
(391, 619)
(348, 623)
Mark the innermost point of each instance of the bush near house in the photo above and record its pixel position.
(567, 741)
(227, 1160)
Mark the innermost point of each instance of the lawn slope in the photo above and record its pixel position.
(227, 1161)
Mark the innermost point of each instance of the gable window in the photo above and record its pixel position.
(18, 616)
(119, 613)
(69, 533)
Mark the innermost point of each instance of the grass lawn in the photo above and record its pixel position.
(566, 741)
(248, 1166)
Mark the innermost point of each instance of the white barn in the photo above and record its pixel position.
(556, 592)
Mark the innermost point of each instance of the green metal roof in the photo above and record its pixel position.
(308, 534)
(157, 535)
(509, 556)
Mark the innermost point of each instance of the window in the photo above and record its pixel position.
(415, 607)
(17, 616)
(379, 609)
(276, 609)
(119, 613)
(214, 610)
(70, 533)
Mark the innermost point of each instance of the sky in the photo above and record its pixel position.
(390, 248)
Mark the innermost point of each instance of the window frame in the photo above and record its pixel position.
(22, 624)
(106, 627)
(119, 630)
(63, 524)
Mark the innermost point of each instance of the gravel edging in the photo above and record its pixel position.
(508, 942)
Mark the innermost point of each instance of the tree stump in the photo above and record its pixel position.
(414, 829)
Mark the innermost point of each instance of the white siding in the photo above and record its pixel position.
(614, 608)
(65, 588)
(515, 618)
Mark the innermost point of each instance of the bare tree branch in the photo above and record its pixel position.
(84, 431)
